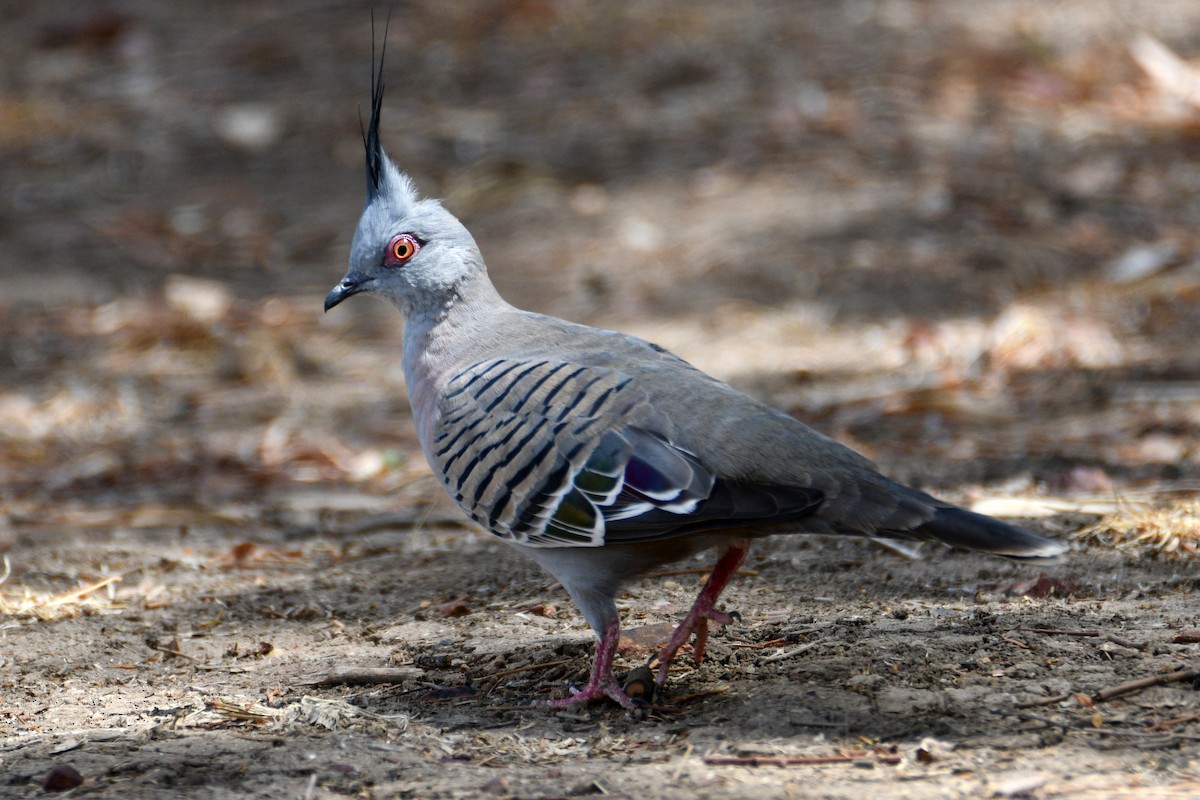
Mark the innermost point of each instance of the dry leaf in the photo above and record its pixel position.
(644, 639)
(452, 608)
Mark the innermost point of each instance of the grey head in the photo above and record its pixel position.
(406, 249)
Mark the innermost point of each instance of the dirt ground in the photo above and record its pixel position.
(961, 237)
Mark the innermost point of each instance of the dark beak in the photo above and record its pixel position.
(352, 284)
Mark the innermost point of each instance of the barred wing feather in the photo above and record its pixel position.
(552, 454)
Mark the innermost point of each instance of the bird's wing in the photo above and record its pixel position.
(554, 454)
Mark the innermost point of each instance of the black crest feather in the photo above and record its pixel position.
(375, 157)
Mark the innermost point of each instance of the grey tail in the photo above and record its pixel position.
(375, 157)
(962, 528)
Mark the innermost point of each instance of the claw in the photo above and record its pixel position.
(601, 684)
(701, 630)
(701, 613)
(595, 690)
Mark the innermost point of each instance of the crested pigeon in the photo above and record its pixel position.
(598, 454)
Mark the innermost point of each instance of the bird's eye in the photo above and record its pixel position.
(401, 249)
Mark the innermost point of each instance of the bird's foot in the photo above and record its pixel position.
(696, 622)
(601, 684)
(597, 688)
(702, 612)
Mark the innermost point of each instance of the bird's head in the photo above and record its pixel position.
(407, 249)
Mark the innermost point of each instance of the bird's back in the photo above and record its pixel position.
(531, 418)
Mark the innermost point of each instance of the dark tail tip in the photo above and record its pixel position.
(963, 528)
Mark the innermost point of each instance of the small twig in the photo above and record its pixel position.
(911, 553)
(172, 652)
(1094, 634)
(757, 645)
(1129, 687)
(687, 753)
(785, 761)
(544, 665)
(1109, 637)
(1045, 701)
(1045, 721)
(238, 712)
(1119, 690)
(71, 597)
(365, 676)
(1017, 643)
(1167, 724)
(1166, 737)
(786, 654)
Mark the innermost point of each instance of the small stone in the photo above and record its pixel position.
(1018, 784)
(61, 778)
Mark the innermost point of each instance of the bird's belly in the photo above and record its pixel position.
(616, 564)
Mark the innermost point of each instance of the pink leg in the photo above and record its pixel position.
(702, 611)
(602, 683)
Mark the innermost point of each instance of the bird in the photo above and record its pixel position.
(597, 454)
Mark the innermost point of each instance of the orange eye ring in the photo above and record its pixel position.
(401, 249)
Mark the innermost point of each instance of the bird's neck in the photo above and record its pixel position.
(441, 341)
(456, 317)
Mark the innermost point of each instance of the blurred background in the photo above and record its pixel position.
(960, 236)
